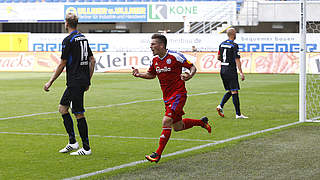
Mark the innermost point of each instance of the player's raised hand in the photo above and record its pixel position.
(47, 86)
(135, 72)
(185, 76)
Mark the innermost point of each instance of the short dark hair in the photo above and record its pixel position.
(72, 20)
(161, 38)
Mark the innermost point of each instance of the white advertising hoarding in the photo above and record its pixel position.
(193, 12)
(31, 12)
(249, 42)
(120, 12)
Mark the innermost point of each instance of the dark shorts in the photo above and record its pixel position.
(230, 82)
(74, 95)
(174, 107)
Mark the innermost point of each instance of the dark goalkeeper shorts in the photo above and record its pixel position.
(74, 96)
(230, 82)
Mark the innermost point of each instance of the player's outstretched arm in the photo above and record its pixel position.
(186, 76)
(56, 74)
(238, 62)
(147, 75)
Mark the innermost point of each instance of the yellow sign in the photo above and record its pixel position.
(14, 42)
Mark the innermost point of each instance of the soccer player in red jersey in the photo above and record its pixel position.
(167, 66)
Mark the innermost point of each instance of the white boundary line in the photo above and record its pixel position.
(179, 152)
(97, 107)
(121, 137)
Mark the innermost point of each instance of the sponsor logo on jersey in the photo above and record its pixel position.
(168, 61)
(156, 64)
(84, 63)
(160, 70)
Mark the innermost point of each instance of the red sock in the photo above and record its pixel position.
(189, 123)
(164, 138)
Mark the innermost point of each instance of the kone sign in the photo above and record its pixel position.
(171, 12)
(177, 12)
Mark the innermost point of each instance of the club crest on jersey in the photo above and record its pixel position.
(168, 61)
(164, 69)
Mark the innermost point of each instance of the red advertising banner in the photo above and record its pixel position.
(206, 62)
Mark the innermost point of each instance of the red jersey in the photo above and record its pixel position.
(168, 70)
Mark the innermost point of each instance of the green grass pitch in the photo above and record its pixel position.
(29, 145)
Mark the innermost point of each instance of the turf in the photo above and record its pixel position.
(268, 100)
(288, 154)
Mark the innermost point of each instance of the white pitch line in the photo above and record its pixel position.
(121, 137)
(97, 107)
(179, 152)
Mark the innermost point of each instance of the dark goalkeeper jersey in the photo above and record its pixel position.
(228, 51)
(76, 50)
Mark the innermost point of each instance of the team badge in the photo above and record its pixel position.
(168, 61)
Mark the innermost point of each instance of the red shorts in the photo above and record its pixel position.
(174, 107)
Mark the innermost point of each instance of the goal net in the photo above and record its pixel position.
(312, 62)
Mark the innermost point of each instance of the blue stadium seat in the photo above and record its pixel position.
(163, 0)
(8, 1)
(146, 0)
(154, 0)
(105, 0)
(89, 0)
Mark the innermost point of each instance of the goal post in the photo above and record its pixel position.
(302, 77)
(309, 79)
